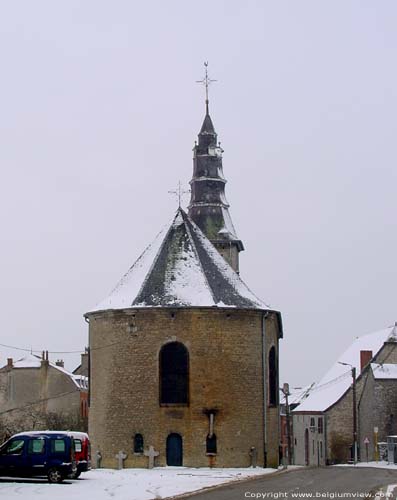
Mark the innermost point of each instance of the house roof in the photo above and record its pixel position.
(384, 371)
(32, 361)
(338, 379)
(181, 268)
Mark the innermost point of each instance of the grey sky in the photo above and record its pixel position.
(99, 113)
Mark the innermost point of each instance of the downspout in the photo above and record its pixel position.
(325, 439)
(89, 362)
(264, 373)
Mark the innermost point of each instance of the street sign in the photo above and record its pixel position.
(366, 441)
(376, 430)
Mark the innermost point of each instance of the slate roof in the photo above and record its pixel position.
(207, 126)
(181, 268)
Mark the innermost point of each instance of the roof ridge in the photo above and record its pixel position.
(186, 219)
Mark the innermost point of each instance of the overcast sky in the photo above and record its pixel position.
(99, 111)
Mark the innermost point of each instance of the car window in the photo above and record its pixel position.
(58, 446)
(77, 445)
(15, 447)
(36, 446)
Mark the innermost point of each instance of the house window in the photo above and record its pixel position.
(211, 444)
(273, 391)
(320, 425)
(138, 443)
(174, 374)
(321, 449)
(312, 423)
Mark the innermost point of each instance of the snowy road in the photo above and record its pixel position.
(129, 484)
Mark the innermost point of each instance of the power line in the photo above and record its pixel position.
(38, 350)
(37, 402)
(59, 352)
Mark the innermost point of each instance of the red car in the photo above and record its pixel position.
(82, 452)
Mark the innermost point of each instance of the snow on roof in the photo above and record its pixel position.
(33, 361)
(338, 379)
(385, 371)
(28, 361)
(181, 268)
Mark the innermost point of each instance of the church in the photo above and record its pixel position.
(183, 356)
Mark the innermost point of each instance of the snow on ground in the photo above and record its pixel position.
(127, 484)
(379, 465)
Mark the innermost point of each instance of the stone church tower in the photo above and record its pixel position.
(208, 207)
(183, 356)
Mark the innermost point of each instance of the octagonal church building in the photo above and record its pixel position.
(183, 355)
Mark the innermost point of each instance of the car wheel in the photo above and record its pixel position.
(54, 476)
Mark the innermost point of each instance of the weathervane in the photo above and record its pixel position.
(206, 81)
(179, 192)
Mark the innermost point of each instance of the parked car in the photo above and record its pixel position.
(46, 453)
(82, 450)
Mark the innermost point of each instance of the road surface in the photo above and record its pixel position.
(331, 483)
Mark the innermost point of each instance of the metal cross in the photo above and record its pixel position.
(179, 192)
(206, 81)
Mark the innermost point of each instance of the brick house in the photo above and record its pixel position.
(323, 423)
(192, 352)
(37, 394)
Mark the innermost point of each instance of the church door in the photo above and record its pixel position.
(174, 450)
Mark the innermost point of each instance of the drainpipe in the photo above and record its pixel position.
(264, 373)
(89, 362)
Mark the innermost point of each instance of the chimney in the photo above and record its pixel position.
(44, 358)
(59, 362)
(9, 363)
(365, 358)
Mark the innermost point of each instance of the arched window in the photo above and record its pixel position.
(138, 443)
(174, 374)
(211, 444)
(273, 390)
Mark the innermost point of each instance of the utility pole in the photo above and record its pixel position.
(354, 415)
(353, 369)
(285, 391)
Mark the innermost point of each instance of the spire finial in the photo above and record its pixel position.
(179, 192)
(206, 81)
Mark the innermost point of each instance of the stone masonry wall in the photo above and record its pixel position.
(273, 413)
(378, 408)
(226, 373)
(339, 418)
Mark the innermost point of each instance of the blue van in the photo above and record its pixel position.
(35, 454)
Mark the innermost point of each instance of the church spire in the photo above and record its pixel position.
(208, 207)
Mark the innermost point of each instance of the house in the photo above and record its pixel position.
(377, 408)
(192, 352)
(295, 398)
(37, 394)
(325, 422)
